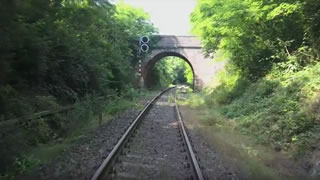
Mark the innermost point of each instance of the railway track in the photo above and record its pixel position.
(154, 146)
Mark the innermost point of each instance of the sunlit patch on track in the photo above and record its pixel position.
(163, 104)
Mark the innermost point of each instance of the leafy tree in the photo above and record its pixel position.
(54, 53)
(67, 48)
(312, 17)
(276, 45)
(171, 70)
(254, 34)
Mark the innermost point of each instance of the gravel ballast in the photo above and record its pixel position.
(85, 156)
(156, 151)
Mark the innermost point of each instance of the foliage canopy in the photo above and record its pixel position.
(270, 88)
(171, 70)
(256, 34)
(67, 49)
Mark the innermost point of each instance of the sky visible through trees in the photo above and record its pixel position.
(73, 52)
(175, 20)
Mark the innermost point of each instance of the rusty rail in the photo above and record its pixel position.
(107, 163)
(195, 163)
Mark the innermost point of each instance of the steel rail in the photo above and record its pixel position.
(195, 163)
(108, 161)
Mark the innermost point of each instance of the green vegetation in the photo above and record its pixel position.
(43, 139)
(270, 87)
(65, 50)
(239, 151)
(63, 53)
(278, 110)
(171, 70)
(256, 34)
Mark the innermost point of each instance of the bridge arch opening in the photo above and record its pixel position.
(149, 68)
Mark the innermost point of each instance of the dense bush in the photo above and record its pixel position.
(312, 17)
(257, 34)
(59, 53)
(279, 110)
(66, 49)
(270, 88)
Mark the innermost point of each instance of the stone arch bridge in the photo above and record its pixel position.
(188, 48)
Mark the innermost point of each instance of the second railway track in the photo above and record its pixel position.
(155, 146)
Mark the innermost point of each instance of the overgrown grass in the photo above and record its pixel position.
(238, 151)
(43, 139)
(281, 110)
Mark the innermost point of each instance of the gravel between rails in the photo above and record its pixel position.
(156, 150)
(85, 156)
